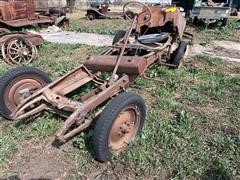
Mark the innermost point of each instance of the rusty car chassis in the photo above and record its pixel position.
(120, 114)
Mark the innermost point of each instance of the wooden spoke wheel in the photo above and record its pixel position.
(18, 51)
(21, 51)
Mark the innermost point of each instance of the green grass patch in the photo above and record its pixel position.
(229, 32)
(13, 136)
(99, 26)
(191, 130)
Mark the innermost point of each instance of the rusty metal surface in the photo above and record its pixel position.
(26, 22)
(128, 64)
(125, 128)
(54, 94)
(14, 97)
(22, 13)
(125, 60)
(35, 39)
(160, 18)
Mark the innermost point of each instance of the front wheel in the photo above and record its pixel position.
(224, 21)
(118, 36)
(120, 122)
(18, 83)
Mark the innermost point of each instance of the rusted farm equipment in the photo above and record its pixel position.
(102, 11)
(21, 13)
(19, 47)
(25, 91)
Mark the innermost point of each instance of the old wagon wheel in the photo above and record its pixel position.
(4, 53)
(18, 50)
(120, 122)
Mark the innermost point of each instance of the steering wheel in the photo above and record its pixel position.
(145, 11)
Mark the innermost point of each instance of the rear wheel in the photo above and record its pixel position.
(224, 21)
(18, 82)
(119, 35)
(120, 122)
(178, 54)
(91, 16)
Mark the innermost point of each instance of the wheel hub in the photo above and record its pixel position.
(23, 52)
(124, 129)
(21, 89)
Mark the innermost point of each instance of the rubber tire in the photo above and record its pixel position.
(104, 124)
(178, 54)
(7, 78)
(224, 22)
(89, 14)
(119, 35)
(195, 21)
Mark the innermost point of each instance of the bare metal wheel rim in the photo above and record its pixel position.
(124, 128)
(12, 95)
(21, 51)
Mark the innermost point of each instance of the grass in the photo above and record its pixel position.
(79, 23)
(191, 130)
(13, 135)
(99, 26)
(57, 59)
(230, 32)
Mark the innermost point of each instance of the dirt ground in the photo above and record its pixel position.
(227, 50)
(68, 37)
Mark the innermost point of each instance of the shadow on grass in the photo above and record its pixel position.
(216, 173)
